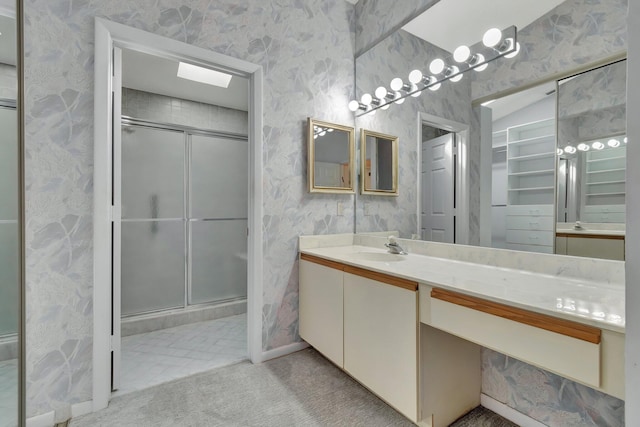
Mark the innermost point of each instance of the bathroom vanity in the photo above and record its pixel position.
(410, 327)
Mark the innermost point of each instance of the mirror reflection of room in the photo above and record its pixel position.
(331, 165)
(379, 170)
(9, 225)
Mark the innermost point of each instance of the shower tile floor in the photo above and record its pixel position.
(9, 393)
(156, 357)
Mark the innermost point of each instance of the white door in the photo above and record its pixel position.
(438, 187)
(116, 216)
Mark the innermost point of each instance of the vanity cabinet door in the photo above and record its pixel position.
(321, 309)
(380, 340)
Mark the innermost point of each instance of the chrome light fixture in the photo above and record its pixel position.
(495, 44)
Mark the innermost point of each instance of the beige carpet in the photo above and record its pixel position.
(302, 389)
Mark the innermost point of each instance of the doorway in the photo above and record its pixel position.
(197, 233)
(443, 207)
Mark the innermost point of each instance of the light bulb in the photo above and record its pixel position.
(417, 93)
(323, 133)
(415, 76)
(396, 84)
(435, 87)
(597, 145)
(399, 101)
(366, 99)
(381, 92)
(478, 58)
(583, 147)
(613, 143)
(354, 106)
(569, 149)
(515, 52)
(461, 54)
(385, 107)
(455, 70)
(330, 130)
(559, 151)
(315, 136)
(492, 37)
(625, 140)
(436, 66)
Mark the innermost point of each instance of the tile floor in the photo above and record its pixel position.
(9, 393)
(156, 357)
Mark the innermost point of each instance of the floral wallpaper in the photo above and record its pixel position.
(548, 398)
(306, 49)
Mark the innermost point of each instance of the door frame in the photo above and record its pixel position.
(462, 172)
(107, 35)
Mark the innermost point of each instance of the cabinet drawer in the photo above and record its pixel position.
(525, 222)
(531, 210)
(542, 238)
(574, 352)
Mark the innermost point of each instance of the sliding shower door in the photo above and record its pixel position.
(153, 254)
(184, 218)
(218, 218)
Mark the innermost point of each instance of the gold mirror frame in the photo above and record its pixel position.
(311, 147)
(364, 133)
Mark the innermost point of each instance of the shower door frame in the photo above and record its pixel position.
(187, 132)
(109, 35)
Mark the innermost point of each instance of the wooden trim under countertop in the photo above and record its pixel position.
(373, 275)
(591, 236)
(542, 321)
(322, 261)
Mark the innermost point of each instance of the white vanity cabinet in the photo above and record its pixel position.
(366, 323)
(590, 245)
(321, 303)
(380, 339)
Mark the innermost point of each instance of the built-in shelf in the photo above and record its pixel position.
(533, 156)
(606, 182)
(534, 140)
(531, 189)
(619, 193)
(607, 170)
(533, 173)
(606, 159)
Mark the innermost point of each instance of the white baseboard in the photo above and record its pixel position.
(284, 350)
(509, 413)
(44, 420)
(80, 409)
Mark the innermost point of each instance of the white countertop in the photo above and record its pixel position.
(580, 300)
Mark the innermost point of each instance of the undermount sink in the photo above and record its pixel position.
(378, 256)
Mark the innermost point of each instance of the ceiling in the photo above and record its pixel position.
(158, 75)
(8, 40)
(504, 106)
(451, 23)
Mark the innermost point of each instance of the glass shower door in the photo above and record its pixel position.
(217, 223)
(153, 247)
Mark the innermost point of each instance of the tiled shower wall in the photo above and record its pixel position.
(306, 50)
(164, 109)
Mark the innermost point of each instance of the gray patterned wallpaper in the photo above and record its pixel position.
(164, 109)
(575, 33)
(396, 56)
(306, 50)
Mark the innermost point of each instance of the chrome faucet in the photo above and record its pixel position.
(394, 247)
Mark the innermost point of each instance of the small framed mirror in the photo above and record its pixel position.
(331, 157)
(379, 163)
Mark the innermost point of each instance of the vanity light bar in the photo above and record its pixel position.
(495, 44)
(600, 144)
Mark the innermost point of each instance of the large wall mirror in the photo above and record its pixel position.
(10, 234)
(331, 167)
(479, 159)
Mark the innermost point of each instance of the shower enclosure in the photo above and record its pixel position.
(183, 219)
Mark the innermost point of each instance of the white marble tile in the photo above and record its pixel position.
(160, 356)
